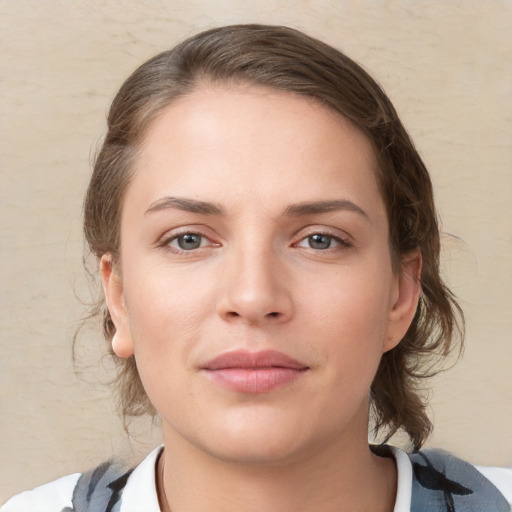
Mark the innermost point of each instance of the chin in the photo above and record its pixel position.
(262, 440)
(257, 450)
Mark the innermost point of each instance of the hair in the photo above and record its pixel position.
(285, 59)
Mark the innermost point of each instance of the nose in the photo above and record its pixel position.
(255, 289)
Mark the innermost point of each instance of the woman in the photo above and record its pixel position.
(269, 251)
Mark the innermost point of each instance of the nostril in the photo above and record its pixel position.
(274, 313)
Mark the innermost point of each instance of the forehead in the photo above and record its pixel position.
(257, 141)
(247, 107)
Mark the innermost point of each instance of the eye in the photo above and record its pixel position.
(183, 242)
(187, 241)
(322, 242)
(319, 241)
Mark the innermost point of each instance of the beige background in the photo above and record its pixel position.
(445, 64)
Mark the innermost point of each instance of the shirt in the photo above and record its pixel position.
(429, 481)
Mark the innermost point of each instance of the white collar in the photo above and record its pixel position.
(404, 480)
(140, 490)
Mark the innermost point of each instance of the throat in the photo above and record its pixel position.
(369, 487)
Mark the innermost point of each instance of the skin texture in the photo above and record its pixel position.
(257, 281)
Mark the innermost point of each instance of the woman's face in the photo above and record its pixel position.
(255, 286)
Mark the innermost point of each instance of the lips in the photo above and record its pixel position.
(254, 372)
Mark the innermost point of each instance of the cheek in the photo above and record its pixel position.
(350, 313)
(164, 305)
(165, 318)
(355, 299)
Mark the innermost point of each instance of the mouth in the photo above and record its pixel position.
(254, 372)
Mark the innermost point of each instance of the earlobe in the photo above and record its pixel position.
(405, 300)
(122, 343)
(120, 347)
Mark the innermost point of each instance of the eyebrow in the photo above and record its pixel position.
(293, 210)
(317, 207)
(187, 205)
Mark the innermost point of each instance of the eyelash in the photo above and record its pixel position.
(166, 243)
(340, 243)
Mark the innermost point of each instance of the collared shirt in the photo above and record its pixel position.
(135, 491)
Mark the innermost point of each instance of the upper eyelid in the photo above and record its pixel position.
(177, 231)
(167, 243)
(213, 236)
(171, 237)
(343, 242)
(308, 231)
(174, 238)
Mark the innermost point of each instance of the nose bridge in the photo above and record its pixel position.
(254, 284)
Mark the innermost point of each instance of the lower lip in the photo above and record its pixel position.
(257, 380)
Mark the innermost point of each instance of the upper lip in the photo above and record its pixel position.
(245, 359)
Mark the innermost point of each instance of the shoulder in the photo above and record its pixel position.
(443, 482)
(501, 478)
(107, 487)
(93, 491)
(55, 496)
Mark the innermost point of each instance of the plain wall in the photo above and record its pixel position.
(446, 66)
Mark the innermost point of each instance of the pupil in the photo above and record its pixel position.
(319, 241)
(189, 241)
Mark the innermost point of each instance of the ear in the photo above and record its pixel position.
(405, 298)
(122, 343)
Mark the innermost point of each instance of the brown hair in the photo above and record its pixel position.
(288, 60)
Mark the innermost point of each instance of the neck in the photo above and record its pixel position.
(338, 479)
